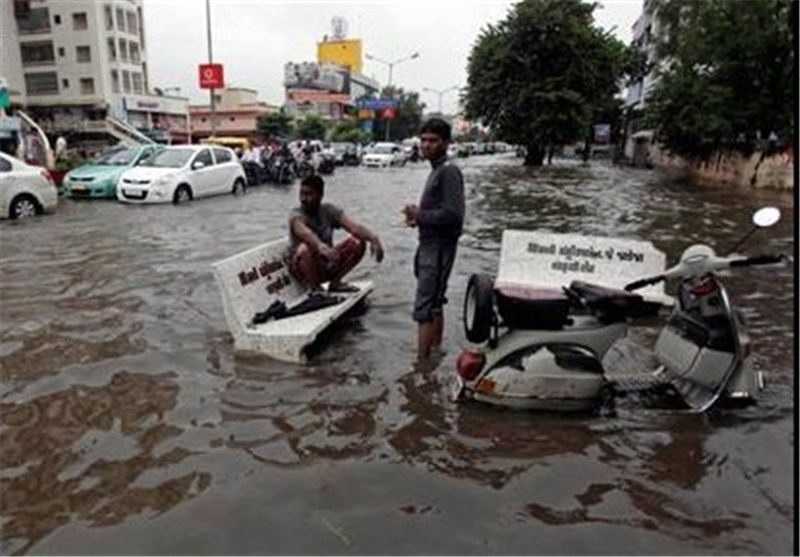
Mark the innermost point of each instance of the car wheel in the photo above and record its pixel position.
(479, 308)
(182, 194)
(24, 206)
(238, 186)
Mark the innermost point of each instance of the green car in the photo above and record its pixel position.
(98, 179)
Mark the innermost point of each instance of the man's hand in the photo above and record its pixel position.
(410, 212)
(325, 251)
(376, 249)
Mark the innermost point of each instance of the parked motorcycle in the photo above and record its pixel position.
(550, 355)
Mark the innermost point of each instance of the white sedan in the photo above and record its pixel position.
(383, 155)
(25, 190)
(181, 173)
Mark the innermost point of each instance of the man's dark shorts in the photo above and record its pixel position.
(432, 265)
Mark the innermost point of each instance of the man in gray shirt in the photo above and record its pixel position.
(439, 217)
(314, 259)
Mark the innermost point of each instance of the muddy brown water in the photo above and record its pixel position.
(130, 426)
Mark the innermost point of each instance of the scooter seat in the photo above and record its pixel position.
(527, 307)
(611, 304)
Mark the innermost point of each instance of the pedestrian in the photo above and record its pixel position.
(313, 258)
(439, 218)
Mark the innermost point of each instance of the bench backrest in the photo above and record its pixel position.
(254, 279)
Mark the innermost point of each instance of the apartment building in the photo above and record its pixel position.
(73, 63)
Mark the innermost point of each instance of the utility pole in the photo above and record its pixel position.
(210, 61)
(440, 93)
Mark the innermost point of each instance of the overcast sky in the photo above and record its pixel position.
(255, 38)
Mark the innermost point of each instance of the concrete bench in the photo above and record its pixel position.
(252, 280)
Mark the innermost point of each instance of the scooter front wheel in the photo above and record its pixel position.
(478, 308)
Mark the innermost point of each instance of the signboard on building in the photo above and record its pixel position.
(317, 96)
(146, 103)
(345, 52)
(320, 76)
(377, 104)
(211, 76)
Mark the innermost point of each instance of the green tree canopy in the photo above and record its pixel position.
(311, 127)
(727, 75)
(348, 130)
(538, 77)
(278, 124)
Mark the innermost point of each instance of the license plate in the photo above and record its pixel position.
(78, 187)
(133, 194)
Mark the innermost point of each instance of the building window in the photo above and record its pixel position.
(57, 19)
(79, 21)
(87, 86)
(134, 52)
(120, 19)
(112, 49)
(137, 82)
(40, 52)
(83, 54)
(65, 83)
(123, 50)
(133, 25)
(126, 81)
(114, 81)
(109, 17)
(61, 52)
(34, 20)
(41, 83)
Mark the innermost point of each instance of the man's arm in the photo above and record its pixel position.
(363, 233)
(309, 238)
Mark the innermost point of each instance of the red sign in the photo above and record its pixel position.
(211, 76)
(318, 96)
(389, 113)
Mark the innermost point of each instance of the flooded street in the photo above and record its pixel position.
(129, 425)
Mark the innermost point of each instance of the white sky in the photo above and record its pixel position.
(255, 38)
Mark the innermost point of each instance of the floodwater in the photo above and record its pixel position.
(130, 426)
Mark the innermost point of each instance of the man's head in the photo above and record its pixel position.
(434, 137)
(312, 188)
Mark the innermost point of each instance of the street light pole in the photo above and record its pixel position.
(389, 85)
(440, 93)
(211, 61)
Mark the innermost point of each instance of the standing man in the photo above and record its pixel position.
(439, 219)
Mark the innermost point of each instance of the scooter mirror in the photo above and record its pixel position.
(766, 217)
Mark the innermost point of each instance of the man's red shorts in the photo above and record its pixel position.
(346, 255)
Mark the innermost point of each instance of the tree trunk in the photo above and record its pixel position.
(534, 155)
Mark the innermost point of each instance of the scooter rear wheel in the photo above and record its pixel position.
(479, 308)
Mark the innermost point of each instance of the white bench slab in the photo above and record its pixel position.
(544, 259)
(252, 280)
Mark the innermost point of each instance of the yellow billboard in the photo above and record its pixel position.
(345, 52)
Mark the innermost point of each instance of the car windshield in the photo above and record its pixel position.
(117, 157)
(169, 158)
(382, 149)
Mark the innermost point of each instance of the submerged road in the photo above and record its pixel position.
(129, 425)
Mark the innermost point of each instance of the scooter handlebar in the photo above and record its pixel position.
(641, 283)
(766, 259)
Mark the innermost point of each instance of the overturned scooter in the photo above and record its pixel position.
(550, 352)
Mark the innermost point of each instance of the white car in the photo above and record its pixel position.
(25, 190)
(383, 155)
(181, 173)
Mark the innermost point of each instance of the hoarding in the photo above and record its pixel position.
(345, 52)
(301, 96)
(211, 76)
(321, 76)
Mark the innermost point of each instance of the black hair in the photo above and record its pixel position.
(437, 126)
(315, 182)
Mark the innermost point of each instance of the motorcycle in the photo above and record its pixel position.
(550, 356)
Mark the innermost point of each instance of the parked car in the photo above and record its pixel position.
(98, 178)
(345, 154)
(182, 173)
(25, 190)
(383, 155)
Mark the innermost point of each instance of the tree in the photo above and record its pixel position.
(278, 124)
(538, 77)
(311, 127)
(348, 130)
(727, 74)
(408, 118)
